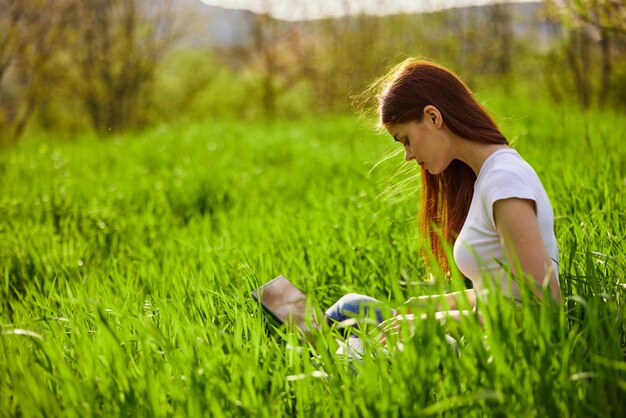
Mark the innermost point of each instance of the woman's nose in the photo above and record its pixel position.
(408, 155)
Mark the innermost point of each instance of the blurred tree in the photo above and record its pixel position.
(118, 45)
(600, 21)
(350, 51)
(327, 53)
(30, 31)
(501, 31)
(275, 61)
(12, 13)
(258, 60)
(100, 53)
(265, 35)
(484, 39)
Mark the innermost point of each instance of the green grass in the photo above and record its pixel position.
(126, 267)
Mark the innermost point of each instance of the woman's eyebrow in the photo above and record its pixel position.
(395, 138)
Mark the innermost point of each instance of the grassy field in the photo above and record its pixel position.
(126, 267)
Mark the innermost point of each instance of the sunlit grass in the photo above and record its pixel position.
(126, 267)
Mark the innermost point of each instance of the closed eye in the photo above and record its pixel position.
(403, 141)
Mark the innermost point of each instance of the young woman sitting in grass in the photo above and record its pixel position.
(478, 194)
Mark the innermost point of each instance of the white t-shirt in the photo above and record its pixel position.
(478, 250)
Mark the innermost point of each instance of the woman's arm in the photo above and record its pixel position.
(455, 305)
(447, 309)
(517, 225)
(447, 301)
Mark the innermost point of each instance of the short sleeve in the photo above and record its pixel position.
(505, 183)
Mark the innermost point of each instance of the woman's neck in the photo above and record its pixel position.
(474, 153)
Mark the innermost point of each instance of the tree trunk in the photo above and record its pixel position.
(605, 86)
(578, 57)
(502, 31)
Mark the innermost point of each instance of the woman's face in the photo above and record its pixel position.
(425, 142)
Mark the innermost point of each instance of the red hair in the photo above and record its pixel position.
(446, 198)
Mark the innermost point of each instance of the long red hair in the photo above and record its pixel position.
(404, 93)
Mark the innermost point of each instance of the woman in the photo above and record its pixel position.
(477, 193)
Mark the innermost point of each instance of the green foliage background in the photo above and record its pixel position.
(126, 267)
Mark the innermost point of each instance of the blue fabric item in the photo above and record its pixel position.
(357, 306)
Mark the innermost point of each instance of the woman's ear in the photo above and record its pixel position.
(433, 116)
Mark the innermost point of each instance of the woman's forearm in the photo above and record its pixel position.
(448, 301)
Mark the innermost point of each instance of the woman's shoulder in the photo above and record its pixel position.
(508, 175)
(505, 165)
